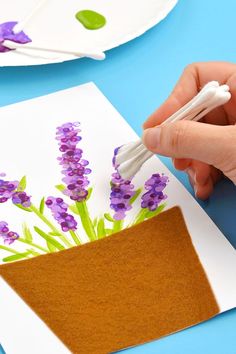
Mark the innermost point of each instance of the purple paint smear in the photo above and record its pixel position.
(6, 33)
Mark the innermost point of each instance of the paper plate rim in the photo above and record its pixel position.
(169, 5)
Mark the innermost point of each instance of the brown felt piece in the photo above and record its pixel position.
(135, 286)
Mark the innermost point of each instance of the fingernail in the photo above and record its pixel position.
(151, 138)
(192, 174)
(195, 190)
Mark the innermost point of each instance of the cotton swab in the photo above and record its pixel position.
(129, 158)
(89, 54)
(21, 25)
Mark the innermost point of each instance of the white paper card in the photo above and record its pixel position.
(29, 148)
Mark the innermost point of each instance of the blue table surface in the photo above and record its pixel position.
(136, 78)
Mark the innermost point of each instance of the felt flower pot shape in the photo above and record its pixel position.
(137, 285)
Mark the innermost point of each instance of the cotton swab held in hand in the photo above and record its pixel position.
(89, 54)
(129, 158)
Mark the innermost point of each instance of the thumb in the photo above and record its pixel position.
(212, 144)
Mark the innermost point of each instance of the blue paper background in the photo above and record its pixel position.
(136, 78)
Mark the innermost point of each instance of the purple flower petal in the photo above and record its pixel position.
(114, 163)
(7, 189)
(21, 198)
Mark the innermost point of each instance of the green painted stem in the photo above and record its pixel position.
(139, 217)
(8, 249)
(101, 232)
(117, 226)
(75, 237)
(16, 257)
(33, 244)
(51, 226)
(33, 252)
(86, 220)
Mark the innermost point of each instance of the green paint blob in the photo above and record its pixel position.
(90, 19)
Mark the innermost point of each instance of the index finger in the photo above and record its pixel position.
(185, 89)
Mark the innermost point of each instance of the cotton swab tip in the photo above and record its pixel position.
(17, 28)
(97, 56)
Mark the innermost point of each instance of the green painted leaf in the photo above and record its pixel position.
(95, 222)
(52, 233)
(108, 217)
(23, 208)
(27, 233)
(49, 238)
(15, 257)
(51, 247)
(140, 216)
(30, 243)
(42, 205)
(118, 225)
(8, 249)
(74, 209)
(33, 252)
(108, 231)
(89, 193)
(86, 220)
(138, 191)
(75, 237)
(60, 187)
(101, 228)
(22, 184)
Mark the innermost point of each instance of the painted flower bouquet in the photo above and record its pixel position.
(61, 215)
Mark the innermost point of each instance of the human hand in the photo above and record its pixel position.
(204, 151)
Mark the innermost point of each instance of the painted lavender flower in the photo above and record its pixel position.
(75, 172)
(8, 236)
(59, 210)
(21, 198)
(154, 195)
(121, 193)
(7, 189)
(74, 166)
(6, 33)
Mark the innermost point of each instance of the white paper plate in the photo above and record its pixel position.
(55, 25)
